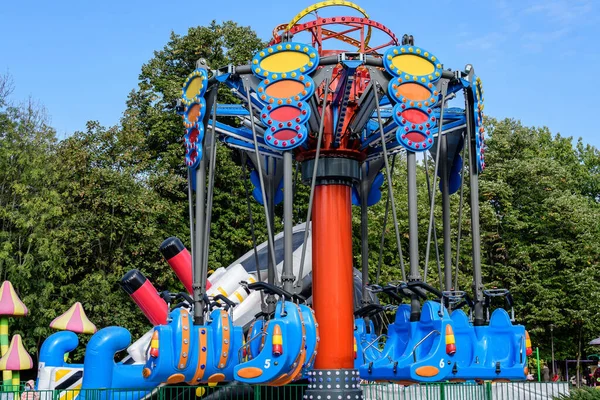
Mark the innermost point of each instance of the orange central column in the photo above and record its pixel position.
(332, 275)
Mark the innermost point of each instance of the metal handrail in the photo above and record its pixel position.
(413, 352)
(376, 340)
(521, 344)
(247, 345)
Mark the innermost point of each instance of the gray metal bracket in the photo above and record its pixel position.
(319, 77)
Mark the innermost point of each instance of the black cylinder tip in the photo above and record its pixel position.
(171, 247)
(132, 281)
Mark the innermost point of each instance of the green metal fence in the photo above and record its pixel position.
(236, 391)
(459, 391)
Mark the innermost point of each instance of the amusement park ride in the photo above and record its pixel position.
(341, 115)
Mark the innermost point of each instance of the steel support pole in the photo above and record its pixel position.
(270, 195)
(445, 177)
(287, 276)
(364, 231)
(479, 318)
(413, 231)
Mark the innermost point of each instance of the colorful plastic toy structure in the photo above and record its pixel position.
(345, 117)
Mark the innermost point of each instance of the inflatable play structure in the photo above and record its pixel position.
(293, 308)
(14, 357)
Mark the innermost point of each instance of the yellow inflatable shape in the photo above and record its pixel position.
(284, 61)
(413, 65)
(330, 3)
(200, 391)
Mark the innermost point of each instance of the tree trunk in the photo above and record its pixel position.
(578, 358)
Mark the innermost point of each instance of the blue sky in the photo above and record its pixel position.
(536, 57)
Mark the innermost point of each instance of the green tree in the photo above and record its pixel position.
(540, 216)
(29, 205)
(150, 117)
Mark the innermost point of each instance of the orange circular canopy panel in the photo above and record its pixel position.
(284, 89)
(413, 91)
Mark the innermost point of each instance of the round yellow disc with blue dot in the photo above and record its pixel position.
(284, 59)
(412, 64)
(194, 87)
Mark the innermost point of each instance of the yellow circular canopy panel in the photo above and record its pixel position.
(413, 65)
(284, 61)
(194, 87)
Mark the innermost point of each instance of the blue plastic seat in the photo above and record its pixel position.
(195, 354)
(312, 337)
(367, 349)
(493, 352)
(267, 367)
(415, 351)
(254, 338)
(466, 343)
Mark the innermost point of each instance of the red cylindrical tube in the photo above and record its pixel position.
(144, 294)
(180, 260)
(332, 275)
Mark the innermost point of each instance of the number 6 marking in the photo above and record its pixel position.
(442, 363)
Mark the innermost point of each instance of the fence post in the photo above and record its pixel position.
(442, 391)
(257, 392)
(537, 356)
(488, 391)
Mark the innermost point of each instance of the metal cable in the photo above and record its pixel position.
(437, 250)
(260, 177)
(460, 211)
(313, 182)
(191, 210)
(385, 218)
(389, 179)
(252, 230)
(437, 164)
(211, 184)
